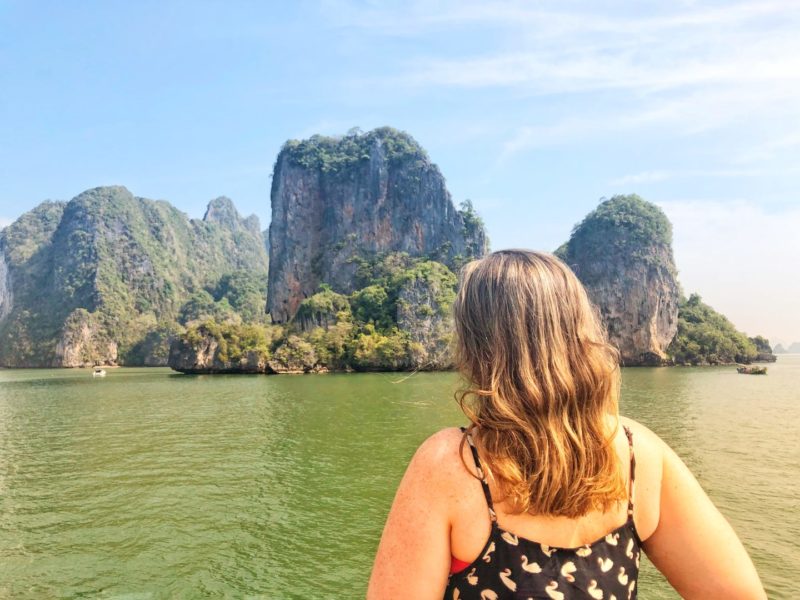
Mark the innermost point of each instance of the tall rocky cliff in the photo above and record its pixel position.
(89, 281)
(338, 200)
(622, 252)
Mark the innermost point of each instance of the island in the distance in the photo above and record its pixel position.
(794, 348)
(361, 261)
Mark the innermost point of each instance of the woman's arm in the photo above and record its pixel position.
(413, 557)
(693, 545)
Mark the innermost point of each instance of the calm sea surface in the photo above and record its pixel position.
(149, 484)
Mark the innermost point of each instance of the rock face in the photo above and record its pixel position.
(222, 211)
(337, 199)
(92, 279)
(84, 342)
(6, 297)
(622, 252)
(199, 357)
(423, 311)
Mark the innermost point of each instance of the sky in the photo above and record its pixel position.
(533, 110)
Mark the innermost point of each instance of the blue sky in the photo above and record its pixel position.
(534, 110)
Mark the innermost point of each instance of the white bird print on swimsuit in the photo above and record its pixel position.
(594, 592)
(472, 579)
(505, 577)
(622, 577)
(567, 570)
(605, 564)
(510, 538)
(530, 567)
(552, 591)
(486, 556)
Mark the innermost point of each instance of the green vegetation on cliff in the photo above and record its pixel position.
(705, 337)
(474, 232)
(27, 236)
(625, 225)
(762, 344)
(108, 277)
(339, 154)
(389, 323)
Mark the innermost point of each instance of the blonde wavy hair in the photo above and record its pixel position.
(542, 380)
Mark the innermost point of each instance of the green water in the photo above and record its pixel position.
(148, 484)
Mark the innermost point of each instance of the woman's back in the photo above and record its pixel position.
(560, 532)
(600, 564)
(440, 516)
(542, 502)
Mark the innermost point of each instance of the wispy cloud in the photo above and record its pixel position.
(691, 68)
(692, 112)
(655, 176)
(591, 69)
(556, 51)
(569, 129)
(411, 18)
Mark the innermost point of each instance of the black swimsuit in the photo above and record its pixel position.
(513, 567)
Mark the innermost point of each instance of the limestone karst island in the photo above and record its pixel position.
(357, 272)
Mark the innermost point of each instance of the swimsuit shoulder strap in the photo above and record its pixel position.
(482, 476)
(629, 435)
(488, 495)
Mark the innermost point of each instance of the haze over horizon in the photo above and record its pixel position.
(534, 112)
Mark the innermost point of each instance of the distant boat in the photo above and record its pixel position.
(752, 370)
(98, 372)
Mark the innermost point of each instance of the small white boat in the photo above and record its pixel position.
(99, 372)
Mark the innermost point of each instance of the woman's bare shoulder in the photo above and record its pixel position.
(442, 451)
(415, 537)
(440, 443)
(430, 477)
(642, 432)
(647, 444)
(444, 461)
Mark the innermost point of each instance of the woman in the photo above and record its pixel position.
(549, 493)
